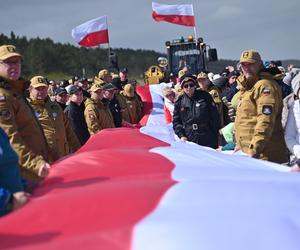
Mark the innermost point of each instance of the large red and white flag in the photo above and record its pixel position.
(182, 14)
(141, 189)
(92, 33)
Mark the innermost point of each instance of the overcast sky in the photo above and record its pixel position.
(269, 26)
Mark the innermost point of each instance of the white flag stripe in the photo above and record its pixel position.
(181, 10)
(221, 202)
(97, 24)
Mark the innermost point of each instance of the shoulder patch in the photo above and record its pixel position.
(267, 110)
(2, 98)
(215, 94)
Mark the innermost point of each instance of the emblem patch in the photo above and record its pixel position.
(40, 80)
(246, 54)
(10, 49)
(266, 91)
(267, 110)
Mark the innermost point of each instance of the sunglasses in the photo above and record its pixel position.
(191, 85)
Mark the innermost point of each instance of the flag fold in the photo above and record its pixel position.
(182, 14)
(92, 33)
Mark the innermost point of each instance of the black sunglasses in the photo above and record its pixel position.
(191, 85)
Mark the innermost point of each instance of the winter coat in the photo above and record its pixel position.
(56, 126)
(292, 130)
(197, 119)
(258, 129)
(18, 121)
(75, 115)
(97, 116)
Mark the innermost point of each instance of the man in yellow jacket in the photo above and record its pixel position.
(17, 118)
(133, 109)
(97, 115)
(258, 129)
(58, 132)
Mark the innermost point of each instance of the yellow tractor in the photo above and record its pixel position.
(156, 74)
(189, 53)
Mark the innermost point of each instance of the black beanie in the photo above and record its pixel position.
(117, 83)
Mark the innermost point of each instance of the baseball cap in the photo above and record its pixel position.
(128, 90)
(233, 73)
(72, 89)
(250, 56)
(109, 86)
(117, 83)
(7, 51)
(60, 90)
(124, 70)
(38, 81)
(103, 73)
(96, 87)
(202, 75)
(187, 78)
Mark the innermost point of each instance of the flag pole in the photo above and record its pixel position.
(195, 33)
(108, 45)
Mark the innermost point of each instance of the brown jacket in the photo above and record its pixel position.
(97, 116)
(216, 95)
(133, 108)
(258, 128)
(58, 132)
(25, 134)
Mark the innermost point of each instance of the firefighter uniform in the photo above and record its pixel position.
(133, 109)
(216, 95)
(97, 114)
(258, 128)
(25, 134)
(57, 130)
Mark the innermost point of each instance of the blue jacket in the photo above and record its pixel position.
(10, 177)
(4, 201)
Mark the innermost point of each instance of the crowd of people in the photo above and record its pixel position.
(253, 108)
(43, 120)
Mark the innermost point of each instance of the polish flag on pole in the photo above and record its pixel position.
(182, 14)
(92, 33)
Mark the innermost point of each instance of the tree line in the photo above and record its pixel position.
(57, 60)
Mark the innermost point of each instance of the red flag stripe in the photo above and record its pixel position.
(176, 19)
(93, 199)
(95, 38)
(144, 93)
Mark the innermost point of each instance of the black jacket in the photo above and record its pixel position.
(63, 106)
(75, 115)
(197, 119)
(115, 109)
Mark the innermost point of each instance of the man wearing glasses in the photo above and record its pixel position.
(196, 117)
(17, 118)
